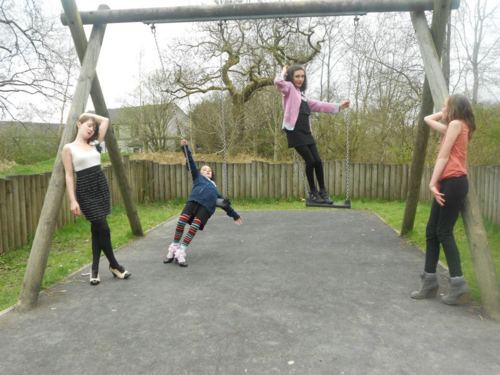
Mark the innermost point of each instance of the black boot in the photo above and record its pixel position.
(325, 197)
(314, 197)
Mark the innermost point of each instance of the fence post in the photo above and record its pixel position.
(4, 243)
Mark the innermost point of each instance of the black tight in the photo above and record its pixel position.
(440, 226)
(101, 240)
(313, 164)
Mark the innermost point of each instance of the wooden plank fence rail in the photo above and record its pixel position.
(21, 197)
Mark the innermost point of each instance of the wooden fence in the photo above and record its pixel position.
(21, 197)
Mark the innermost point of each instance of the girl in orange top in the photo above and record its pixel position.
(449, 186)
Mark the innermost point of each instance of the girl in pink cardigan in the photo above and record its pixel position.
(296, 123)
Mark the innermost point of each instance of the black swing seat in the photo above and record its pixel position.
(345, 204)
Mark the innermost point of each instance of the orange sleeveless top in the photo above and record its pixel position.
(457, 163)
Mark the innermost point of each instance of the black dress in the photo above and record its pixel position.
(301, 135)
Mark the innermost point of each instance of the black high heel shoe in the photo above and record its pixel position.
(120, 272)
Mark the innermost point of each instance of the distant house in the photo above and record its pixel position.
(142, 128)
(149, 127)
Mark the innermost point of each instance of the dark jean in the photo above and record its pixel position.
(313, 163)
(441, 223)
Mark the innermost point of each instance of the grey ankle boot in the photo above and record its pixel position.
(429, 287)
(458, 292)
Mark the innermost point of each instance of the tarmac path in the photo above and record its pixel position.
(288, 292)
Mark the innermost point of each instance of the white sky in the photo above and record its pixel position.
(118, 67)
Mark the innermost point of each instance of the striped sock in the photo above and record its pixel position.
(179, 229)
(192, 232)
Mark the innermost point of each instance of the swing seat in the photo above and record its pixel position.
(345, 204)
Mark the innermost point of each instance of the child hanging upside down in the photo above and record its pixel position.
(199, 208)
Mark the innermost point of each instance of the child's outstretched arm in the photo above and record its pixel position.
(189, 159)
(225, 204)
(318, 106)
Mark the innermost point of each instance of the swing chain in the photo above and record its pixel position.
(347, 164)
(221, 24)
(153, 31)
(347, 120)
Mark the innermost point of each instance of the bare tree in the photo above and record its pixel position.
(477, 46)
(29, 55)
(156, 126)
(264, 118)
(240, 58)
(329, 60)
(384, 80)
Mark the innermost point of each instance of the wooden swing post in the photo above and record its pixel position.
(39, 254)
(438, 26)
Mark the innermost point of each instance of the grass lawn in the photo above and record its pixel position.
(71, 248)
(71, 244)
(43, 166)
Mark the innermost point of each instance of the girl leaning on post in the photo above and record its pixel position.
(89, 194)
(449, 185)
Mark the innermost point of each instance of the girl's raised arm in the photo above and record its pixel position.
(189, 158)
(281, 84)
(433, 121)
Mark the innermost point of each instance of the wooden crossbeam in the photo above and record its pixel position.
(206, 13)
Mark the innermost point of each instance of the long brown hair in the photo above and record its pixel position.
(460, 108)
(86, 118)
(291, 71)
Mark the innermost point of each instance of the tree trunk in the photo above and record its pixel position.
(439, 22)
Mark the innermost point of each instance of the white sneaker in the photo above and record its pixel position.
(180, 256)
(172, 249)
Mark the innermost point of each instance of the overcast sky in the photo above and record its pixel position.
(118, 67)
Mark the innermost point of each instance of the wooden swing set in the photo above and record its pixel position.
(435, 91)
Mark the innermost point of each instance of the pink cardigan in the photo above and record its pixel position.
(291, 103)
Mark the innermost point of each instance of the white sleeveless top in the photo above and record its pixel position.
(84, 159)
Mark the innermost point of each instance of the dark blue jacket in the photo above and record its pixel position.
(204, 190)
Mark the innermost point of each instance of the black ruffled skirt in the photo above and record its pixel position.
(92, 193)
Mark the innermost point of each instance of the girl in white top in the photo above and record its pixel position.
(90, 194)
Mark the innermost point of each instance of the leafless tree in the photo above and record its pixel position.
(477, 47)
(154, 125)
(239, 58)
(380, 68)
(264, 118)
(29, 55)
